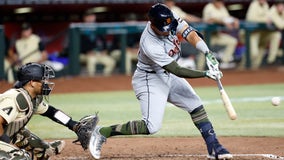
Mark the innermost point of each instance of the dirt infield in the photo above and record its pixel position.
(175, 148)
(189, 148)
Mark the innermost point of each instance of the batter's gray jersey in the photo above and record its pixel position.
(155, 52)
(153, 86)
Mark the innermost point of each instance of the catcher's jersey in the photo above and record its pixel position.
(17, 107)
(158, 51)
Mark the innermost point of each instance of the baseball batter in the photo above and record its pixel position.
(158, 79)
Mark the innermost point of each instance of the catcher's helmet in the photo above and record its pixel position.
(35, 72)
(162, 18)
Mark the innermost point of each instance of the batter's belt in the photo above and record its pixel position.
(153, 72)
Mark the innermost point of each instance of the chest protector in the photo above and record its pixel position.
(25, 107)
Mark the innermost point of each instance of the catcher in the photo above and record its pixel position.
(28, 97)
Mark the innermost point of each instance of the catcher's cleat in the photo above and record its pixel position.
(96, 143)
(57, 146)
(54, 148)
(219, 152)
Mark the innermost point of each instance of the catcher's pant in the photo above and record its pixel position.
(8, 151)
(31, 143)
(154, 90)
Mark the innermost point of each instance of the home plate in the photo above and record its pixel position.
(270, 156)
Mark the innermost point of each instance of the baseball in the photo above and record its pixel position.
(275, 101)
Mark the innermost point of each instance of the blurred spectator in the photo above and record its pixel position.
(131, 48)
(276, 14)
(93, 48)
(9, 62)
(216, 12)
(182, 14)
(30, 48)
(188, 52)
(258, 11)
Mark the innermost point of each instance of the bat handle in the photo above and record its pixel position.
(219, 84)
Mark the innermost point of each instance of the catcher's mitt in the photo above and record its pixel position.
(84, 129)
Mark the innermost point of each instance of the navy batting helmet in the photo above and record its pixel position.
(162, 18)
(35, 72)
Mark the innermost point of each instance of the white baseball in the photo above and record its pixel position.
(275, 101)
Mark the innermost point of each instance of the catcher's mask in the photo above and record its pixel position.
(36, 72)
(162, 18)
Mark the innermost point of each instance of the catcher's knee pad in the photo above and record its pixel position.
(21, 138)
(11, 152)
(31, 143)
(43, 150)
(36, 146)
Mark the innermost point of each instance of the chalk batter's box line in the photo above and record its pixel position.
(269, 156)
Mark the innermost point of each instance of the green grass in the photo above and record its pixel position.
(256, 115)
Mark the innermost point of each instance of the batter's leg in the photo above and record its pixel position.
(201, 121)
(152, 95)
(183, 96)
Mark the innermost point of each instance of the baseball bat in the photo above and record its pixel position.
(226, 101)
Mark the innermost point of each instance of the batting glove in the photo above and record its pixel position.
(210, 57)
(213, 74)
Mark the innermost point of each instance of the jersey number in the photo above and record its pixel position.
(7, 110)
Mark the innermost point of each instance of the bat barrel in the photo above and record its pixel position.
(227, 102)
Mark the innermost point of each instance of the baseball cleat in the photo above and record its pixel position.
(57, 146)
(54, 148)
(220, 157)
(220, 153)
(96, 142)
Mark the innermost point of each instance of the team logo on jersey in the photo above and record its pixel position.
(7, 110)
(168, 20)
(176, 48)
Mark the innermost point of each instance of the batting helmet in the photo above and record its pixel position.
(36, 72)
(162, 18)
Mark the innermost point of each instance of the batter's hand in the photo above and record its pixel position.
(211, 58)
(214, 74)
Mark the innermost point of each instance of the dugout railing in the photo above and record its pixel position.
(248, 28)
(113, 28)
(124, 28)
